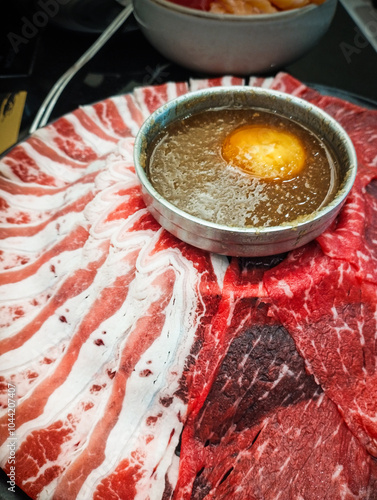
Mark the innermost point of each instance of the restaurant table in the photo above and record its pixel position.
(343, 63)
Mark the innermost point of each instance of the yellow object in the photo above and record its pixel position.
(264, 152)
(11, 110)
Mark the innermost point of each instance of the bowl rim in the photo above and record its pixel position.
(297, 224)
(235, 17)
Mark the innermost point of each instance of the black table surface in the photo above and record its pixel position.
(342, 64)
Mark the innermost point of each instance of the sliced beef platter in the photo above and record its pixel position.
(140, 367)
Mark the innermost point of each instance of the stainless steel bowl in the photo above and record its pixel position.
(232, 44)
(245, 241)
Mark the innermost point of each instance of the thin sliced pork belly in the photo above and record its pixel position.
(70, 138)
(57, 218)
(75, 240)
(259, 81)
(283, 82)
(50, 155)
(10, 259)
(118, 115)
(118, 194)
(50, 216)
(17, 165)
(26, 164)
(92, 126)
(32, 241)
(20, 188)
(70, 286)
(151, 98)
(19, 209)
(205, 83)
(39, 242)
(151, 446)
(71, 374)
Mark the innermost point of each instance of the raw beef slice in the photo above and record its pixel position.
(266, 429)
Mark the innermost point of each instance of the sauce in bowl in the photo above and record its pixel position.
(242, 168)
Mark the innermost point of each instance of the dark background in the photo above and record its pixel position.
(128, 59)
(342, 64)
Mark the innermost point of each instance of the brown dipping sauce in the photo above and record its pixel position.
(187, 168)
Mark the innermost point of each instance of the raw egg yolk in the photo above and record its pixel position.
(265, 152)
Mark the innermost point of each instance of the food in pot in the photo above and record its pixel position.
(245, 7)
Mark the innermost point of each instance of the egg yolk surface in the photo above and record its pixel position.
(264, 152)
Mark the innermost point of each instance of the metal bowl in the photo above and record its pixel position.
(245, 241)
(232, 44)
